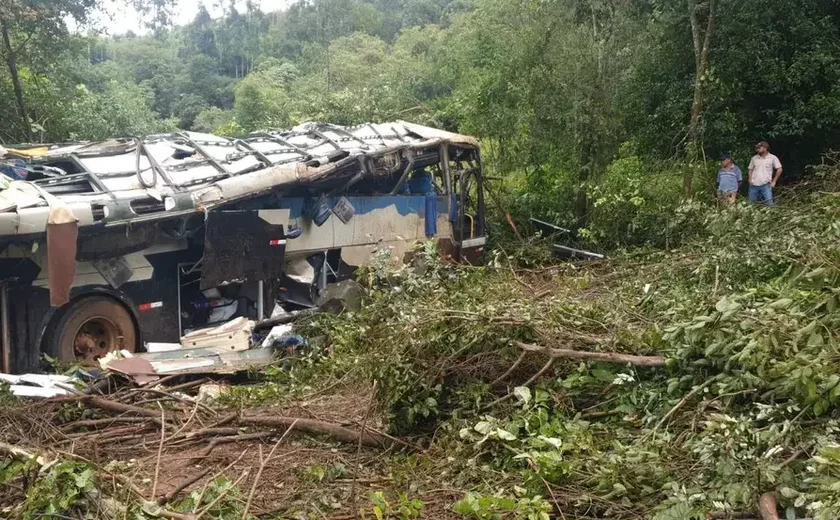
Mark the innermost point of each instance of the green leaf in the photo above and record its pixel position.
(820, 407)
(815, 340)
(523, 393)
(483, 427)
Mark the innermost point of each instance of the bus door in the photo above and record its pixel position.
(470, 233)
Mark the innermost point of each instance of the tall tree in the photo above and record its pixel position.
(25, 22)
(36, 30)
(702, 19)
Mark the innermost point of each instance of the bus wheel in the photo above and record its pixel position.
(91, 328)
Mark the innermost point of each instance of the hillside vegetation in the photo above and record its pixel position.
(745, 314)
(729, 389)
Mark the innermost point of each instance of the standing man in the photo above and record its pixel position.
(765, 169)
(728, 180)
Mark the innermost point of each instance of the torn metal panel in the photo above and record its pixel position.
(240, 246)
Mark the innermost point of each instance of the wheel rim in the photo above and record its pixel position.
(96, 337)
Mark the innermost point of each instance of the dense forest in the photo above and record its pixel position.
(600, 107)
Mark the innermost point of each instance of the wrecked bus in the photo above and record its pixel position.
(121, 243)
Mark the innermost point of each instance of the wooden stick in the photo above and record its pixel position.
(92, 423)
(173, 397)
(160, 450)
(359, 446)
(263, 463)
(182, 486)
(113, 406)
(540, 373)
(606, 357)
(533, 378)
(225, 420)
(333, 430)
(234, 438)
(172, 515)
(510, 370)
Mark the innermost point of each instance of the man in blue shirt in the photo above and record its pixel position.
(728, 180)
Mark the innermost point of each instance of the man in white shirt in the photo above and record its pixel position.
(764, 170)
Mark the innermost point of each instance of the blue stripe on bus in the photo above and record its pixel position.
(404, 205)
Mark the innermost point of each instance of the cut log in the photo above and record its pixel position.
(767, 506)
(604, 357)
(333, 430)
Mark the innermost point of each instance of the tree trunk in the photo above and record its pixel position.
(11, 62)
(702, 42)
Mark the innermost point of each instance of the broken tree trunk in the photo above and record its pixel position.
(335, 431)
(605, 357)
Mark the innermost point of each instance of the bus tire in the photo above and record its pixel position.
(90, 328)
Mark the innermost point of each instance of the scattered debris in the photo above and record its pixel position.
(277, 332)
(234, 336)
(39, 385)
(570, 252)
(211, 391)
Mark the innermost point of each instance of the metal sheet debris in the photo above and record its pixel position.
(234, 335)
(39, 385)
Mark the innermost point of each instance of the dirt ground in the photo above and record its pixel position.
(308, 476)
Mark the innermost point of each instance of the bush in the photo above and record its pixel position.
(640, 203)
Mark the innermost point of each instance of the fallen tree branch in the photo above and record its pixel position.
(20, 453)
(160, 450)
(333, 430)
(606, 357)
(206, 432)
(182, 486)
(93, 423)
(234, 438)
(113, 406)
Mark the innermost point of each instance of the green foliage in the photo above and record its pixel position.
(230, 505)
(63, 488)
(260, 104)
(639, 202)
(404, 509)
(318, 473)
(491, 507)
(411, 330)
(743, 307)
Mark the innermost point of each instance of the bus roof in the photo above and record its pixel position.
(123, 180)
